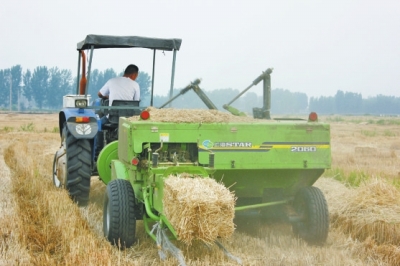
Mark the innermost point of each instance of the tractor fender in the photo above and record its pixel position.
(106, 166)
(79, 130)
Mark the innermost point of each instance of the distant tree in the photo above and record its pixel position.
(27, 90)
(189, 100)
(382, 104)
(59, 85)
(301, 103)
(94, 80)
(40, 85)
(286, 102)
(4, 88)
(348, 102)
(108, 74)
(10, 79)
(340, 104)
(144, 81)
(223, 96)
(251, 100)
(322, 105)
(158, 100)
(353, 102)
(16, 73)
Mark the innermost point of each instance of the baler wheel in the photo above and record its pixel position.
(78, 168)
(310, 204)
(119, 221)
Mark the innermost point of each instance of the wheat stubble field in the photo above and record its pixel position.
(39, 225)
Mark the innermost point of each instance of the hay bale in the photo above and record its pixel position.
(194, 116)
(198, 208)
(372, 210)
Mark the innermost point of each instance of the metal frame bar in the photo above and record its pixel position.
(152, 78)
(146, 196)
(146, 222)
(267, 95)
(256, 206)
(78, 76)
(171, 90)
(89, 69)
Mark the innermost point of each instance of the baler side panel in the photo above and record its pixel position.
(245, 146)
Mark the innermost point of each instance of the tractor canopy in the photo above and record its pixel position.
(106, 41)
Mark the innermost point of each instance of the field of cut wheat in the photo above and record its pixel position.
(40, 225)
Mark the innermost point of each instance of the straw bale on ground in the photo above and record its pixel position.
(194, 116)
(199, 208)
(372, 210)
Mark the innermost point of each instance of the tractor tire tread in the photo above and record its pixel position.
(122, 228)
(78, 168)
(315, 230)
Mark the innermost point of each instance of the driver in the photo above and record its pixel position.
(121, 88)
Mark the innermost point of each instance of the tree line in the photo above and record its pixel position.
(353, 103)
(44, 88)
(287, 102)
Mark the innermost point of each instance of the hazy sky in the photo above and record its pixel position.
(315, 47)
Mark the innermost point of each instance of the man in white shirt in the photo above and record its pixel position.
(121, 88)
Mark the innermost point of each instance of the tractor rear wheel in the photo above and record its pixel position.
(119, 221)
(78, 167)
(311, 206)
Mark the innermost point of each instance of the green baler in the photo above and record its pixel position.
(270, 164)
(265, 162)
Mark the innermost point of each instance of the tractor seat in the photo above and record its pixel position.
(113, 115)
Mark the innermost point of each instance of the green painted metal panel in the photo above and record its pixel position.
(107, 154)
(124, 135)
(158, 193)
(268, 145)
(118, 170)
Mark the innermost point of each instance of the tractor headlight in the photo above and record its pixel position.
(81, 103)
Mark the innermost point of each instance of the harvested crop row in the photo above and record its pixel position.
(53, 229)
(373, 210)
(370, 214)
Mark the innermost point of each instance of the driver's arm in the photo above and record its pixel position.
(101, 95)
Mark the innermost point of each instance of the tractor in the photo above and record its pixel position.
(82, 136)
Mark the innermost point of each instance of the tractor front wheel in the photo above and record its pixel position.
(119, 221)
(311, 206)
